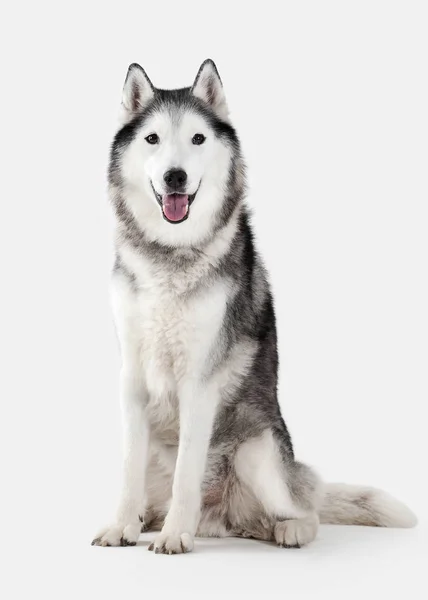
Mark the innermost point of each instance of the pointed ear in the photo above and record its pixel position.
(209, 88)
(137, 91)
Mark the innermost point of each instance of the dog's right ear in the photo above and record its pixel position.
(137, 92)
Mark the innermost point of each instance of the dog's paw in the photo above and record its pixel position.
(118, 535)
(167, 543)
(295, 533)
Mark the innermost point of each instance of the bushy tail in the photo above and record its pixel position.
(354, 505)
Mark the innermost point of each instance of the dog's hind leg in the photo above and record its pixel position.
(288, 491)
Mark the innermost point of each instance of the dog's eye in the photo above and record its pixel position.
(198, 139)
(153, 138)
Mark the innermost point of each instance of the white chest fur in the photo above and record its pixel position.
(168, 325)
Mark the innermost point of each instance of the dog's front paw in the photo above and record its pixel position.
(118, 535)
(172, 543)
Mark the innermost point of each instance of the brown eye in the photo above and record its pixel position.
(198, 139)
(153, 138)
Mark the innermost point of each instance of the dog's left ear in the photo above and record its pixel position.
(209, 88)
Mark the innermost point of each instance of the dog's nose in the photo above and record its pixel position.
(175, 178)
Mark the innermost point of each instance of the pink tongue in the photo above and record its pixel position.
(174, 206)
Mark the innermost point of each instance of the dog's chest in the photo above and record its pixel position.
(166, 333)
(177, 322)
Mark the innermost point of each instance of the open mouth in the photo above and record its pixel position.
(175, 207)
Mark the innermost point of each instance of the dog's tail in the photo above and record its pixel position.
(354, 505)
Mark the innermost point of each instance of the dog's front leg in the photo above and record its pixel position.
(198, 405)
(126, 529)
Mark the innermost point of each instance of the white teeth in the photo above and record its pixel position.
(187, 209)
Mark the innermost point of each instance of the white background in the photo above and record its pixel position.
(330, 99)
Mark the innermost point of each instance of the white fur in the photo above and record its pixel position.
(361, 505)
(197, 410)
(258, 464)
(206, 166)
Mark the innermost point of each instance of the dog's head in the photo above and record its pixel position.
(176, 160)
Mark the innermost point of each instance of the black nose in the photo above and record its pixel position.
(175, 178)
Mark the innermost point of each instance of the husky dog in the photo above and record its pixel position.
(206, 450)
